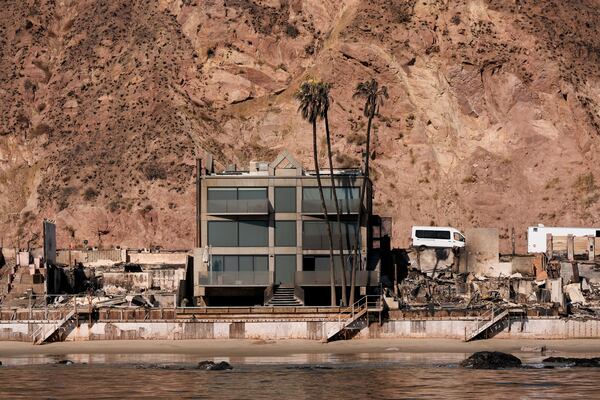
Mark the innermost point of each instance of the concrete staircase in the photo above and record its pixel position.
(284, 296)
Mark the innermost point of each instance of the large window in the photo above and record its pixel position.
(285, 199)
(314, 234)
(245, 233)
(243, 193)
(223, 233)
(285, 233)
(239, 263)
(348, 199)
(253, 233)
(237, 200)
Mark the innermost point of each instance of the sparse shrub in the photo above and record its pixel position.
(155, 171)
(70, 230)
(291, 30)
(63, 197)
(40, 129)
(455, 19)
(404, 11)
(585, 183)
(470, 179)
(345, 161)
(114, 206)
(90, 194)
(552, 183)
(356, 138)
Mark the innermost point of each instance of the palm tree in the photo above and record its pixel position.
(374, 97)
(310, 96)
(324, 88)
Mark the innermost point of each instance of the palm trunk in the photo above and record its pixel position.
(363, 189)
(324, 210)
(337, 212)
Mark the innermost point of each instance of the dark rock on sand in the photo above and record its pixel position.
(491, 360)
(212, 366)
(574, 362)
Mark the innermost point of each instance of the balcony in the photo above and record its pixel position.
(321, 241)
(235, 278)
(347, 206)
(321, 278)
(238, 207)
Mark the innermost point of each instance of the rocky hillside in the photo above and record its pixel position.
(493, 117)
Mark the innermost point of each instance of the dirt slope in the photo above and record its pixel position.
(493, 117)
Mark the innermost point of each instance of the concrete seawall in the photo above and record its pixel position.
(530, 328)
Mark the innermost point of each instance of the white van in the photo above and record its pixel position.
(436, 236)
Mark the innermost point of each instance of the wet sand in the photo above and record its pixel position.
(282, 348)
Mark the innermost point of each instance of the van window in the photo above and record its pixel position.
(427, 234)
(458, 237)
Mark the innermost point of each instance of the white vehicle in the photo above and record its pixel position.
(536, 235)
(436, 236)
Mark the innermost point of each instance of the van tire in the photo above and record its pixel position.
(421, 248)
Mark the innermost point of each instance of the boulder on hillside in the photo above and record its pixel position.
(491, 360)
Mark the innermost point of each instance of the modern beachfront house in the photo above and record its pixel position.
(262, 238)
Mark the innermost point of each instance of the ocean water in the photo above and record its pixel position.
(359, 376)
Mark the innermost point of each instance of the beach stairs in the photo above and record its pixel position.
(491, 322)
(284, 297)
(45, 332)
(356, 317)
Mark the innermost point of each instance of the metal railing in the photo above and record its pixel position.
(346, 206)
(256, 206)
(235, 278)
(349, 314)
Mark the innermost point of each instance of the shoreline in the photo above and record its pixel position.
(292, 347)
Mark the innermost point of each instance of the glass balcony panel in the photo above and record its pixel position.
(235, 278)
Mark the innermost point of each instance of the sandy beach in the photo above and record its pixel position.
(281, 348)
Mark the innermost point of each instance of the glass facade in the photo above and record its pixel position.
(246, 193)
(348, 199)
(223, 233)
(285, 233)
(285, 199)
(226, 263)
(253, 233)
(314, 234)
(244, 200)
(285, 268)
(244, 233)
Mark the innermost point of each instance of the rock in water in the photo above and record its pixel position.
(491, 360)
(212, 366)
(574, 362)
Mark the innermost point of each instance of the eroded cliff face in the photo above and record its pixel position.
(493, 117)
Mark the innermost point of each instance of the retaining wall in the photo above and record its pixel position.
(533, 328)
